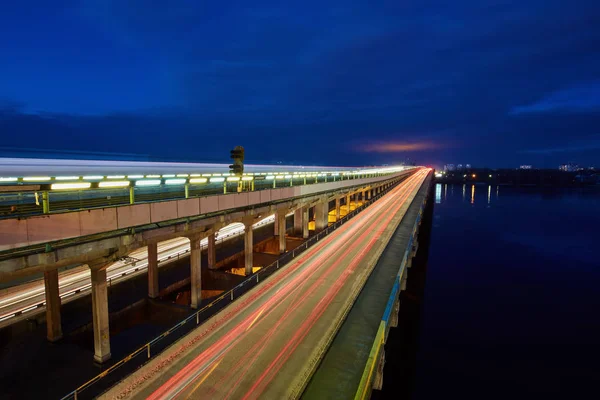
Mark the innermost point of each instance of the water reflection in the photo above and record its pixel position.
(445, 191)
(473, 194)
(464, 191)
(438, 193)
(489, 194)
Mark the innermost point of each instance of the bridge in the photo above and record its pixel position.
(69, 231)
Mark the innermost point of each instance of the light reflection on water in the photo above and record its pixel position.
(518, 277)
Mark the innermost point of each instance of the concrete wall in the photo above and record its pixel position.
(16, 233)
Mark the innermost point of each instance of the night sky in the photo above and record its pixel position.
(491, 83)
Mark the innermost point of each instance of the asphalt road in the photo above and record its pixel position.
(269, 342)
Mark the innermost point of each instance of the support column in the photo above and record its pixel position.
(53, 324)
(305, 222)
(298, 221)
(100, 316)
(281, 227)
(276, 226)
(195, 272)
(337, 209)
(212, 251)
(321, 210)
(153, 290)
(249, 246)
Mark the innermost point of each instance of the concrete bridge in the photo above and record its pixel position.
(350, 255)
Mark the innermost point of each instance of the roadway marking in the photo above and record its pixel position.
(203, 379)
(254, 320)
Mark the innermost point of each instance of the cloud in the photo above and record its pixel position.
(396, 147)
(580, 98)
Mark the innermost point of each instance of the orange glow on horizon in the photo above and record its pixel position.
(396, 147)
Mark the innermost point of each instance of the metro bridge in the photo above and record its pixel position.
(342, 221)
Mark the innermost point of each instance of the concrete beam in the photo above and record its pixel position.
(195, 272)
(100, 315)
(53, 324)
(153, 288)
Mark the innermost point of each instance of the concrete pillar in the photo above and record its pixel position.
(337, 209)
(281, 233)
(348, 203)
(195, 272)
(298, 221)
(212, 251)
(153, 290)
(321, 211)
(100, 316)
(249, 246)
(305, 222)
(54, 327)
(276, 226)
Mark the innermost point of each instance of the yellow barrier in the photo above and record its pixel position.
(364, 388)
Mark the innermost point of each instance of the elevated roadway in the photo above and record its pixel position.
(29, 299)
(269, 343)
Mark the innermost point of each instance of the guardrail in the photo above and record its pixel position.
(144, 353)
(366, 382)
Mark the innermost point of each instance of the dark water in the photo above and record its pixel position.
(512, 295)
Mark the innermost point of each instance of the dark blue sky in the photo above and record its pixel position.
(495, 83)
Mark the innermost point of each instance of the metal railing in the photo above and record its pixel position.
(137, 358)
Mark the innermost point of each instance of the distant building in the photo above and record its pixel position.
(449, 167)
(570, 167)
(468, 166)
(459, 167)
(525, 166)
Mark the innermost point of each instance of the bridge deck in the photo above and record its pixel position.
(339, 374)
